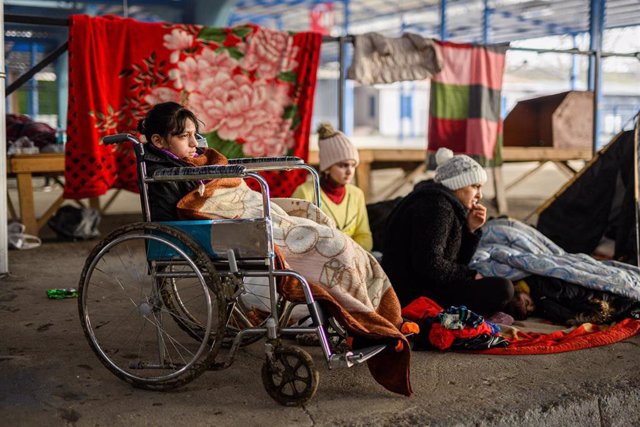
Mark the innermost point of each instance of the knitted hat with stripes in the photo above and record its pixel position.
(334, 147)
(455, 172)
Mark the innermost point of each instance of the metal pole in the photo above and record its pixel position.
(341, 82)
(443, 19)
(4, 241)
(596, 27)
(573, 78)
(636, 191)
(597, 99)
(486, 16)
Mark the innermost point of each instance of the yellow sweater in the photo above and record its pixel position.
(350, 215)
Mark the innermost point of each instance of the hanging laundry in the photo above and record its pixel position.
(253, 89)
(378, 59)
(464, 111)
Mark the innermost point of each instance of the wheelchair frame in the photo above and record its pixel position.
(160, 323)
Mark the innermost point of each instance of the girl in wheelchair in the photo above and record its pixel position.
(170, 133)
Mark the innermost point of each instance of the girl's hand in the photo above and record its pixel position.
(477, 217)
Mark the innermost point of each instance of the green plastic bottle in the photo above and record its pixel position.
(62, 293)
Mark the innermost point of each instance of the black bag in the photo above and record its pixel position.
(378, 214)
(71, 223)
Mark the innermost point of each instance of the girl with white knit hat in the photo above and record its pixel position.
(343, 202)
(433, 233)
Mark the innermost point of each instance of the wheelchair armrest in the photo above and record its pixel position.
(195, 173)
(119, 138)
(268, 163)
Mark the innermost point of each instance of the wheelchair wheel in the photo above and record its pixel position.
(150, 306)
(290, 376)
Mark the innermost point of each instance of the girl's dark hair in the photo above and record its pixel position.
(166, 119)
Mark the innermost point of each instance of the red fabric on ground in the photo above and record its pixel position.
(253, 89)
(584, 336)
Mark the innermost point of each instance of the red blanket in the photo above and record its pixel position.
(253, 89)
(584, 336)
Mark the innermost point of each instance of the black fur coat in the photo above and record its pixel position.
(427, 242)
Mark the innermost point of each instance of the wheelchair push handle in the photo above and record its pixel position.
(190, 173)
(268, 163)
(119, 138)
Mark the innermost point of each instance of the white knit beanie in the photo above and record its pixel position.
(455, 172)
(334, 147)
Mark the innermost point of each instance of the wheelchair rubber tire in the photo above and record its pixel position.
(290, 378)
(128, 324)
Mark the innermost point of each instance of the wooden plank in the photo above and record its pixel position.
(374, 155)
(27, 207)
(539, 154)
(36, 163)
(407, 159)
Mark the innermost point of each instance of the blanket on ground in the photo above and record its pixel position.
(514, 250)
(345, 276)
(584, 336)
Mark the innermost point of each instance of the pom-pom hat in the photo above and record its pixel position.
(455, 172)
(334, 147)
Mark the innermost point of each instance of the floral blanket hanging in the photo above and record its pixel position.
(252, 87)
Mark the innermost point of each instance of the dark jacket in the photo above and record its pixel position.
(164, 196)
(427, 242)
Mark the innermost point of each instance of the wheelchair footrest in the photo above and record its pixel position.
(355, 357)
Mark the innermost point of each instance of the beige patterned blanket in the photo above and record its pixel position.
(343, 275)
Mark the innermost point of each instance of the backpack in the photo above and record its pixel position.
(71, 223)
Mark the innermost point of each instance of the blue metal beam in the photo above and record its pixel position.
(32, 88)
(596, 27)
(573, 79)
(486, 25)
(443, 20)
(347, 115)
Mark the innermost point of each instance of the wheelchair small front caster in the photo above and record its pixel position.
(289, 376)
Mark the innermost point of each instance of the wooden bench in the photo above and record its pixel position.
(24, 166)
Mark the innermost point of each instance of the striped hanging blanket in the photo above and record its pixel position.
(464, 111)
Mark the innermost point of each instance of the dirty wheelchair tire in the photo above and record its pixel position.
(138, 330)
(291, 378)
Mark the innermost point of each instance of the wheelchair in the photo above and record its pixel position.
(162, 302)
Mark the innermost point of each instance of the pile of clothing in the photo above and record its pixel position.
(456, 328)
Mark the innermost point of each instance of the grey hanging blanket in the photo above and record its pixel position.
(378, 59)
